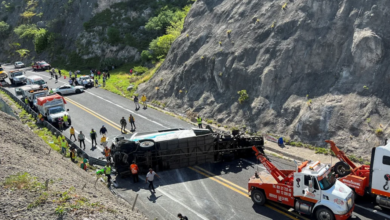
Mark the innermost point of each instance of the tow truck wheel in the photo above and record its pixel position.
(324, 214)
(342, 169)
(258, 197)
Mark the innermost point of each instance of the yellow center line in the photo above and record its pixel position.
(97, 115)
(236, 188)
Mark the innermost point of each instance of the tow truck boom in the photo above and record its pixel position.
(275, 172)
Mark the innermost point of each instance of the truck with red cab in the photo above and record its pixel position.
(41, 65)
(311, 189)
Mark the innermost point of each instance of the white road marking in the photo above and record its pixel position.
(374, 211)
(136, 114)
(174, 199)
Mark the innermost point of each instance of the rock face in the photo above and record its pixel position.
(313, 70)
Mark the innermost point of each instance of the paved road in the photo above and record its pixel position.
(209, 191)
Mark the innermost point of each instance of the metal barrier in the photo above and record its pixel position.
(54, 130)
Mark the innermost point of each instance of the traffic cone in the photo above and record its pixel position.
(64, 77)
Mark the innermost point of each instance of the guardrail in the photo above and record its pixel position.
(55, 131)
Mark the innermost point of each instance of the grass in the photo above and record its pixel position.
(209, 121)
(23, 181)
(39, 201)
(368, 120)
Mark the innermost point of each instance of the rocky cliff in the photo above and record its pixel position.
(313, 70)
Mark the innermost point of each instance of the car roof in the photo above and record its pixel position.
(15, 71)
(35, 77)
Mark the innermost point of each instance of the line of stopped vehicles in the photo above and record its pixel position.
(313, 188)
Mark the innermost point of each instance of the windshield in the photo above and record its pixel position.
(18, 62)
(327, 180)
(84, 78)
(42, 63)
(42, 94)
(56, 110)
(18, 74)
(1, 69)
(40, 82)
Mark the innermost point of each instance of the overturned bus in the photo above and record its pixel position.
(176, 148)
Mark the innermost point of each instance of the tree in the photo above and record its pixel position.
(23, 52)
(26, 30)
(114, 36)
(4, 28)
(41, 40)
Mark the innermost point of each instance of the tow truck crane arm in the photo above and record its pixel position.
(275, 172)
(340, 154)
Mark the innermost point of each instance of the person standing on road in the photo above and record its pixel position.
(107, 153)
(93, 136)
(136, 102)
(81, 138)
(181, 217)
(143, 99)
(51, 74)
(60, 124)
(72, 133)
(103, 130)
(56, 76)
(59, 72)
(107, 172)
(132, 122)
(199, 119)
(134, 170)
(96, 83)
(66, 120)
(150, 178)
(123, 124)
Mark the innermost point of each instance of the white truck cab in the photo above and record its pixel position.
(380, 175)
(315, 187)
(53, 108)
(36, 80)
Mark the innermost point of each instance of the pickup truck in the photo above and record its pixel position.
(41, 65)
(53, 108)
(17, 77)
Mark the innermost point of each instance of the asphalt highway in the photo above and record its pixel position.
(209, 191)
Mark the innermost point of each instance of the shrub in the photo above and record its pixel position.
(379, 131)
(26, 30)
(243, 96)
(146, 55)
(4, 28)
(114, 36)
(140, 69)
(365, 87)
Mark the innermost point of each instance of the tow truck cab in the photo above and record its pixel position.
(380, 175)
(314, 190)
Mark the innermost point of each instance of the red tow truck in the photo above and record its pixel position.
(311, 189)
(41, 65)
(360, 179)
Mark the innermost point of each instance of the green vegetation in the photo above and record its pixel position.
(4, 28)
(22, 52)
(243, 96)
(309, 102)
(284, 7)
(114, 36)
(368, 120)
(209, 121)
(379, 131)
(23, 181)
(365, 87)
(26, 30)
(9, 7)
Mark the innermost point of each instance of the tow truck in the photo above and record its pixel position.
(52, 108)
(360, 178)
(32, 93)
(311, 189)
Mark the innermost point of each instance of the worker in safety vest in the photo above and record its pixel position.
(134, 171)
(107, 153)
(73, 155)
(107, 172)
(72, 133)
(143, 99)
(65, 118)
(93, 135)
(199, 119)
(83, 165)
(40, 118)
(26, 101)
(63, 143)
(51, 91)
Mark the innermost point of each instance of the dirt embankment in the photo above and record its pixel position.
(25, 167)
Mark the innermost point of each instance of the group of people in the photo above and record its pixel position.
(136, 102)
(124, 123)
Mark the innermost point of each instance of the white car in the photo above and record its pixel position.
(85, 80)
(68, 89)
(19, 64)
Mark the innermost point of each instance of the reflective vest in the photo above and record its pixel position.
(64, 143)
(131, 119)
(143, 98)
(51, 91)
(107, 170)
(134, 168)
(107, 152)
(73, 154)
(26, 100)
(199, 120)
(72, 131)
(65, 118)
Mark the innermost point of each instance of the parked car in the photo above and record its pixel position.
(68, 89)
(85, 81)
(17, 77)
(19, 64)
(41, 65)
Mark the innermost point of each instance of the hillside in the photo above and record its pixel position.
(86, 34)
(26, 165)
(311, 70)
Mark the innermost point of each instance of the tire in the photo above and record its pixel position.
(78, 91)
(12, 82)
(342, 169)
(324, 214)
(70, 121)
(258, 197)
